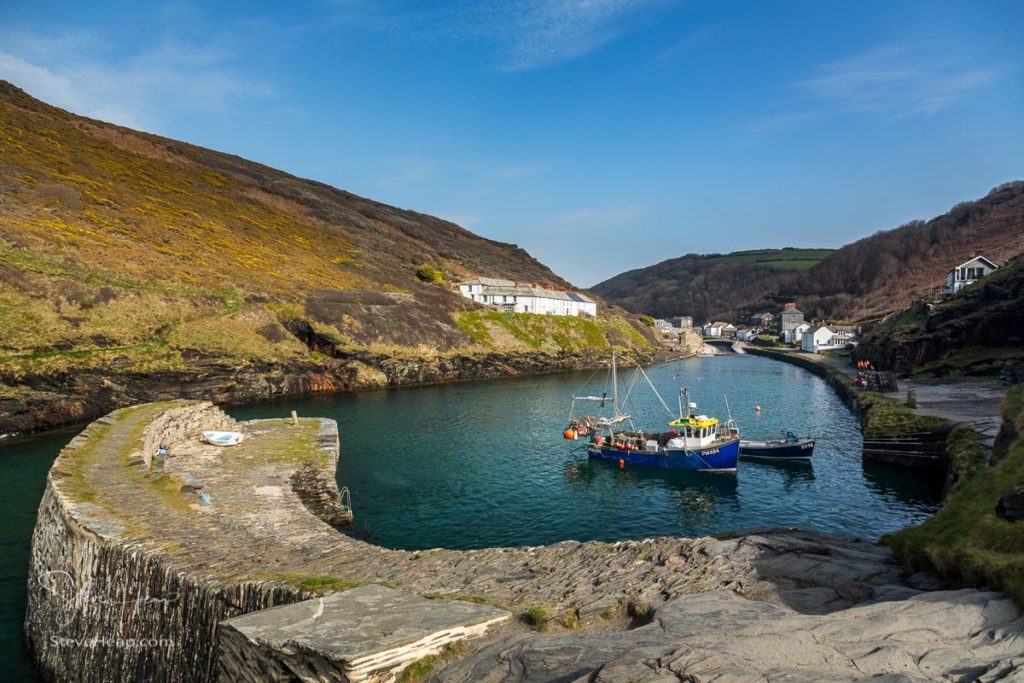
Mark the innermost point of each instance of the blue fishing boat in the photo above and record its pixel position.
(693, 442)
(789, 447)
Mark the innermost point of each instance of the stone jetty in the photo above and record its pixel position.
(227, 564)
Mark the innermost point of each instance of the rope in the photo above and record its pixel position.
(651, 384)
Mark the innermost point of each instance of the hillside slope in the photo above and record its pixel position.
(127, 259)
(872, 276)
(975, 332)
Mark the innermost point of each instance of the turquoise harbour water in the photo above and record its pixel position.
(484, 464)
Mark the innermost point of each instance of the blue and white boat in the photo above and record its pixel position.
(789, 447)
(223, 438)
(694, 442)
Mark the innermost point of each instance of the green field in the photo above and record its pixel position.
(790, 258)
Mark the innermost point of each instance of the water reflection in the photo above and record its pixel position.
(911, 487)
(792, 471)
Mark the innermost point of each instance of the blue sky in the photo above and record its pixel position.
(600, 135)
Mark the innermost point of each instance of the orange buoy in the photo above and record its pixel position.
(569, 433)
(622, 464)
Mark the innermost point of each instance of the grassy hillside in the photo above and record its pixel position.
(862, 280)
(787, 259)
(125, 252)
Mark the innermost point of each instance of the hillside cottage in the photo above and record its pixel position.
(843, 334)
(762, 320)
(682, 321)
(968, 273)
(816, 339)
(790, 318)
(507, 295)
(793, 335)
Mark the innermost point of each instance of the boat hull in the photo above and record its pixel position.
(717, 458)
(801, 449)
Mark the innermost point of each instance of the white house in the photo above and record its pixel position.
(816, 338)
(664, 326)
(524, 298)
(746, 334)
(967, 273)
(794, 334)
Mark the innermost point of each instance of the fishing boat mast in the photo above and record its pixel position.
(615, 387)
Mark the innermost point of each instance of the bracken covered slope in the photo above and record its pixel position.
(872, 276)
(975, 332)
(125, 257)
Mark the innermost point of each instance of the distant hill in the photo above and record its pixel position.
(133, 258)
(870, 277)
(709, 286)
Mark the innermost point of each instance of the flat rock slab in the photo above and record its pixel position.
(955, 635)
(367, 633)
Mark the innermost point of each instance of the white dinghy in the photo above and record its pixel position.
(223, 438)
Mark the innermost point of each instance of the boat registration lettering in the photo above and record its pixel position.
(713, 451)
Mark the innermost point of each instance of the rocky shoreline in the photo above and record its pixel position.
(40, 402)
(761, 604)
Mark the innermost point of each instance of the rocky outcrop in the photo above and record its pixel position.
(45, 402)
(1011, 504)
(369, 633)
(713, 636)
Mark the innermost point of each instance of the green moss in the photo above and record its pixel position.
(536, 618)
(502, 330)
(317, 584)
(880, 415)
(472, 323)
(965, 541)
(421, 669)
(609, 613)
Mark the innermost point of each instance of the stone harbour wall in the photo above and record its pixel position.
(180, 425)
(105, 607)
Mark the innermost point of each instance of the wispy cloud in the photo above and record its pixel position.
(895, 80)
(533, 34)
(74, 70)
(903, 79)
(539, 33)
(687, 42)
